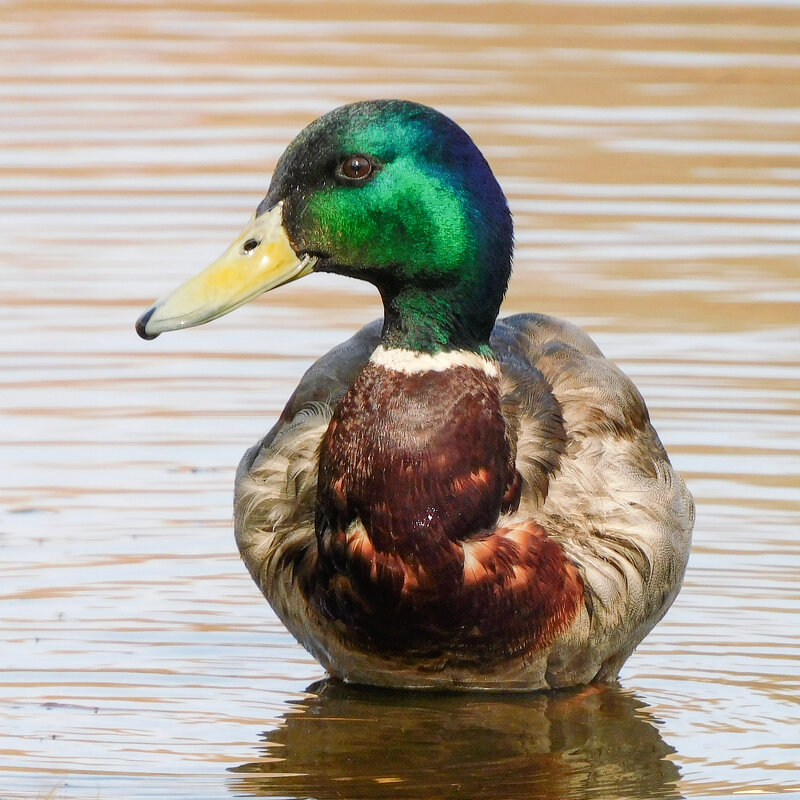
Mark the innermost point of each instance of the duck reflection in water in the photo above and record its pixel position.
(350, 742)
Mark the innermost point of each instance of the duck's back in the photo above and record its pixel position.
(596, 482)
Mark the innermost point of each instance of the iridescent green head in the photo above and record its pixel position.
(397, 194)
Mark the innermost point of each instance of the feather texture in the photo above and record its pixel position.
(560, 592)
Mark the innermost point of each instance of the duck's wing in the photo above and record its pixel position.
(559, 391)
(595, 476)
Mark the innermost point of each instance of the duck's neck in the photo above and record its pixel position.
(429, 320)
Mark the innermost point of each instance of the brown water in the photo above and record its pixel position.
(652, 160)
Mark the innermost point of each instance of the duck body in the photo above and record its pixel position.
(560, 536)
(448, 500)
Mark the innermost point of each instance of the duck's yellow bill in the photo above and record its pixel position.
(260, 259)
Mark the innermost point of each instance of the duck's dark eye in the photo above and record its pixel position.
(356, 168)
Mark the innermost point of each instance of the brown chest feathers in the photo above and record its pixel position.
(414, 472)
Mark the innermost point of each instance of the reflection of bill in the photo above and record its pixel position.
(597, 742)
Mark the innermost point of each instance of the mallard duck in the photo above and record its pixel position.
(448, 500)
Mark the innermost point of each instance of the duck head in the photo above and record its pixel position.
(389, 191)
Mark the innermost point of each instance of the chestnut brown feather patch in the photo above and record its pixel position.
(414, 472)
